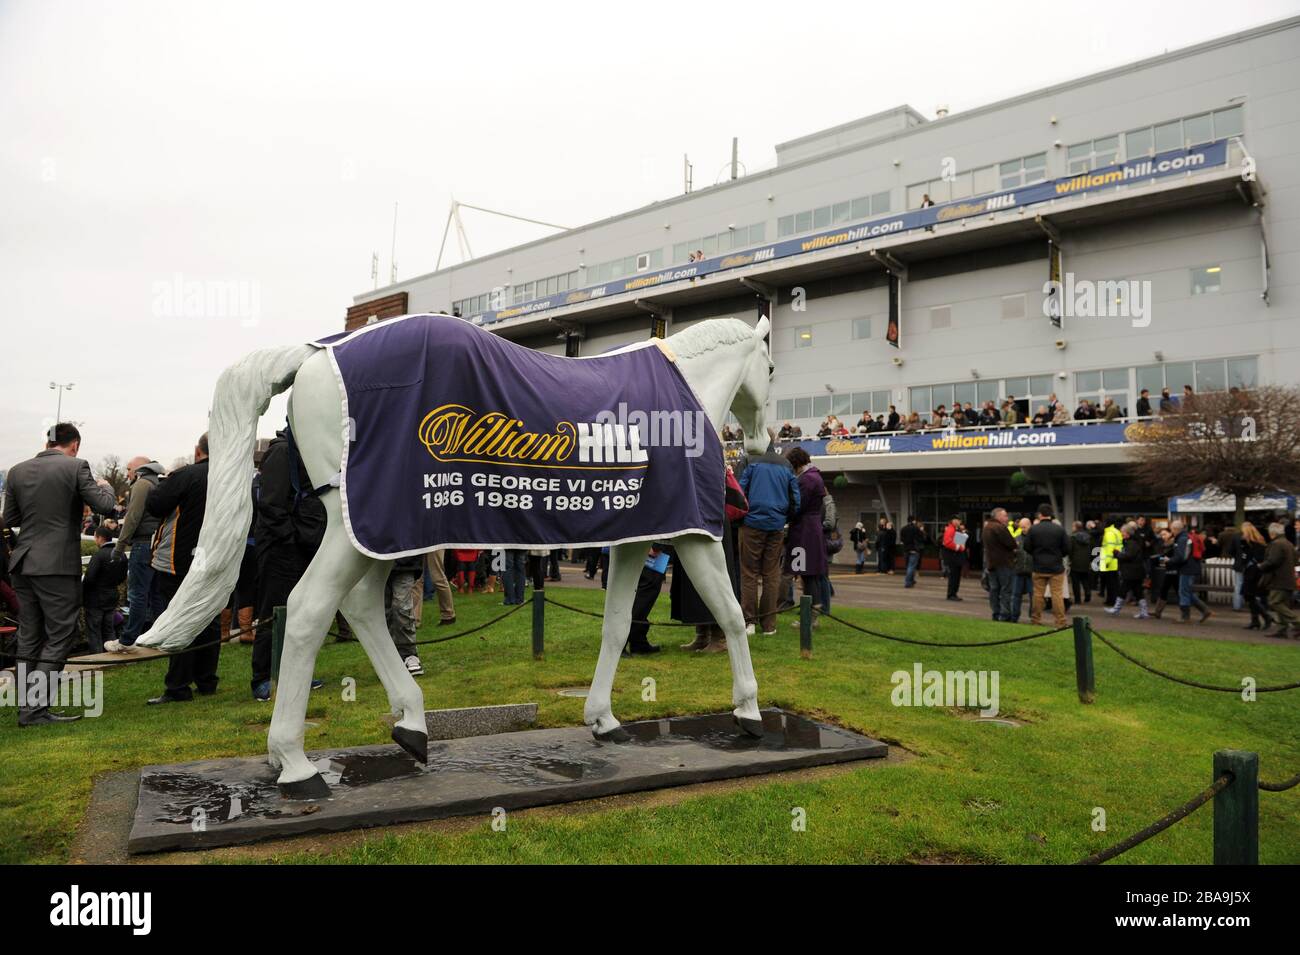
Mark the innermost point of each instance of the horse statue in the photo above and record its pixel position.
(727, 365)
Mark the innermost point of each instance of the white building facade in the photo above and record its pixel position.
(1170, 188)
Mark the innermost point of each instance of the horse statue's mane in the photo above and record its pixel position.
(708, 335)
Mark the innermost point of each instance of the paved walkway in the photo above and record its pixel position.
(885, 592)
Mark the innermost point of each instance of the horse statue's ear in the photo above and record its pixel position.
(764, 328)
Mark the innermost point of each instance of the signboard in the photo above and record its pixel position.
(968, 440)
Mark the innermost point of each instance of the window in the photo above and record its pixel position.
(738, 238)
(1178, 374)
(1093, 154)
(1243, 372)
(1211, 375)
(1206, 279)
(618, 268)
(977, 182)
(1140, 142)
(1227, 122)
(1169, 136)
(861, 328)
(985, 180)
(1198, 129)
(919, 401)
(1013, 306)
(1152, 378)
(941, 317)
(1097, 386)
(1180, 133)
(842, 404)
(803, 337)
(1021, 172)
(847, 210)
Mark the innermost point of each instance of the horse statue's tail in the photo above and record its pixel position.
(242, 394)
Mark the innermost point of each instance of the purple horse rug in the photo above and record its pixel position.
(462, 439)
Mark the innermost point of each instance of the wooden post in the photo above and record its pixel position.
(539, 622)
(278, 617)
(1083, 674)
(805, 626)
(1236, 809)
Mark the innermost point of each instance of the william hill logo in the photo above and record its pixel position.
(456, 433)
(843, 446)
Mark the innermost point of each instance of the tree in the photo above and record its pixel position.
(1242, 443)
(112, 471)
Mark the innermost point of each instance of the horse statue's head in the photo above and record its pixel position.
(750, 403)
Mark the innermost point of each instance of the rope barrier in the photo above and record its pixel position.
(465, 633)
(1282, 786)
(649, 623)
(1185, 682)
(1160, 825)
(161, 655)
(931, 643)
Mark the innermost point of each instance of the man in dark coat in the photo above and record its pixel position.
(179, 501)
(1049, 544)
(44, 498)
(1081, 572)
(999, 561)
(288, 526)
(1277, 577)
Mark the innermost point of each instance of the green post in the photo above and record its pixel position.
(805, 626)
(1236, 809)
(1083, 659)
(278, 617)
(539, 622)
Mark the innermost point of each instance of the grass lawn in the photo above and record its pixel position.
(973, 791)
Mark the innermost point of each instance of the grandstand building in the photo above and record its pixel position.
(904, 262)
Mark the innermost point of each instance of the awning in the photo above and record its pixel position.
(1213, 500)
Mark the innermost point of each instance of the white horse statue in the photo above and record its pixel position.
(726, 362)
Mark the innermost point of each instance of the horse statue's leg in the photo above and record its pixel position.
(333, 572)
(625, 563)
(707, 567)
(364, 609)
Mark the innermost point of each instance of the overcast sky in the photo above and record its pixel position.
(260, 147)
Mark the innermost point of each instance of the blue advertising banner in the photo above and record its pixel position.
(462, 439)
(964, 440)
(1172, 163)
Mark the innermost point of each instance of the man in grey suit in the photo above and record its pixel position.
(44, 497)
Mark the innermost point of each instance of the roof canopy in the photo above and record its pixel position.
(1213, 500)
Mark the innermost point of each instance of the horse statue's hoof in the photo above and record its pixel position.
(750, 727)
(414, 742)
(616, 735)
(313, 787)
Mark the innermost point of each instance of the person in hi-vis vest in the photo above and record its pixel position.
(1112, 542)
